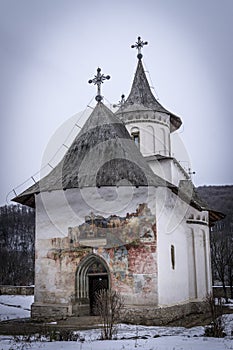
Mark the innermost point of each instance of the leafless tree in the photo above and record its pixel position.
(109, 305)
(17, 236)
(222, 259)
(216, 329)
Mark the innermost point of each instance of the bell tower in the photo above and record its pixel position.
(147, 121)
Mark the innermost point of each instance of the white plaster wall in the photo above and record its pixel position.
(177, 173)
(161, 168)
(173, 285)
(202, 257)
(198, 229)
(154, 137)
(167, 169)
(208, 260)
(191, 278)
(192, 264)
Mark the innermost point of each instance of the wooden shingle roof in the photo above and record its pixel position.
(102, 154)
(141, 98)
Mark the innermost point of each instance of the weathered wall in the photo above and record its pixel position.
(62, 233)
(133, 272)
(132, 235)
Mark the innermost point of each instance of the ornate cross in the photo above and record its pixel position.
(190, 172)
(98, 80)
(139, 45)
(121, 102)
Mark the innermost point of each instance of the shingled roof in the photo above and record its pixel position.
(102, 154)
(141, 98)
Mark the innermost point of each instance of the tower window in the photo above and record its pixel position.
(136, 138)
(173, 257)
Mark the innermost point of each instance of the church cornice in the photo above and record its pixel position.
(145, 116)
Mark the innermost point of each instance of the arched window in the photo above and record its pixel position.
(173, 257)
(136, 138)
(135, 134)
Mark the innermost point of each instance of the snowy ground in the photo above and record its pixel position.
(155, 338)
(15, 306)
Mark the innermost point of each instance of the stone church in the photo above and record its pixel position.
(119, 212)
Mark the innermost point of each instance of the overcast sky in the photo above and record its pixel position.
(49, 49)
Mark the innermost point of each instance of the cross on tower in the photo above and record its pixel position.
(190, 172)
(139, 45)
(98, 80)
(121, 102)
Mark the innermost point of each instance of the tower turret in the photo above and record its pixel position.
(147, 121)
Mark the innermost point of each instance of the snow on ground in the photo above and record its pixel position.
(156, 338)
(230, 303)
(15, 306)
(161, 343)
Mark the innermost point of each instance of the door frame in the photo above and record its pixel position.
(82, 276)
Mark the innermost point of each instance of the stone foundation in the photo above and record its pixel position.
(16, 290)
(50, 312)
(158, 316)
(145, 314)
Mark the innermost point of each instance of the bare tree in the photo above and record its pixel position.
(222, 258)
(216, 329)
(230, 272)
(109, 305)
(17, 236)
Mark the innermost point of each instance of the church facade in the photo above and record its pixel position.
(119, 212)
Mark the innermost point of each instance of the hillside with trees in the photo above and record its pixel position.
(220, 198)
(17, 237)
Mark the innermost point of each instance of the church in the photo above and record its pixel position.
(119, 212)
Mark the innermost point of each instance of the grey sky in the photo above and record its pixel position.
(50, 49)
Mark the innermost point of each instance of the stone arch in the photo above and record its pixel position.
(85, 269)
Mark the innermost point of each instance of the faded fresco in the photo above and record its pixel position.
(113, 231)
(127, 245)
(133, 267)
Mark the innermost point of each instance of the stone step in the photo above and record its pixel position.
(81, 310)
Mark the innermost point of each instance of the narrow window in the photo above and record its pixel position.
(135, 137)
(173, 257)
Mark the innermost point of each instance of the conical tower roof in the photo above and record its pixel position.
(141, 98)
(102, 154)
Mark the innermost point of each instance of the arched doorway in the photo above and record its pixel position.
(92, 276)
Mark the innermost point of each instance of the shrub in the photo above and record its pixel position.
(109, 306)
(216, 328)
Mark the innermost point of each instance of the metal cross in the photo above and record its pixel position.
(190, 172)
(121, 102)
(98, 80)
(139, 45)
